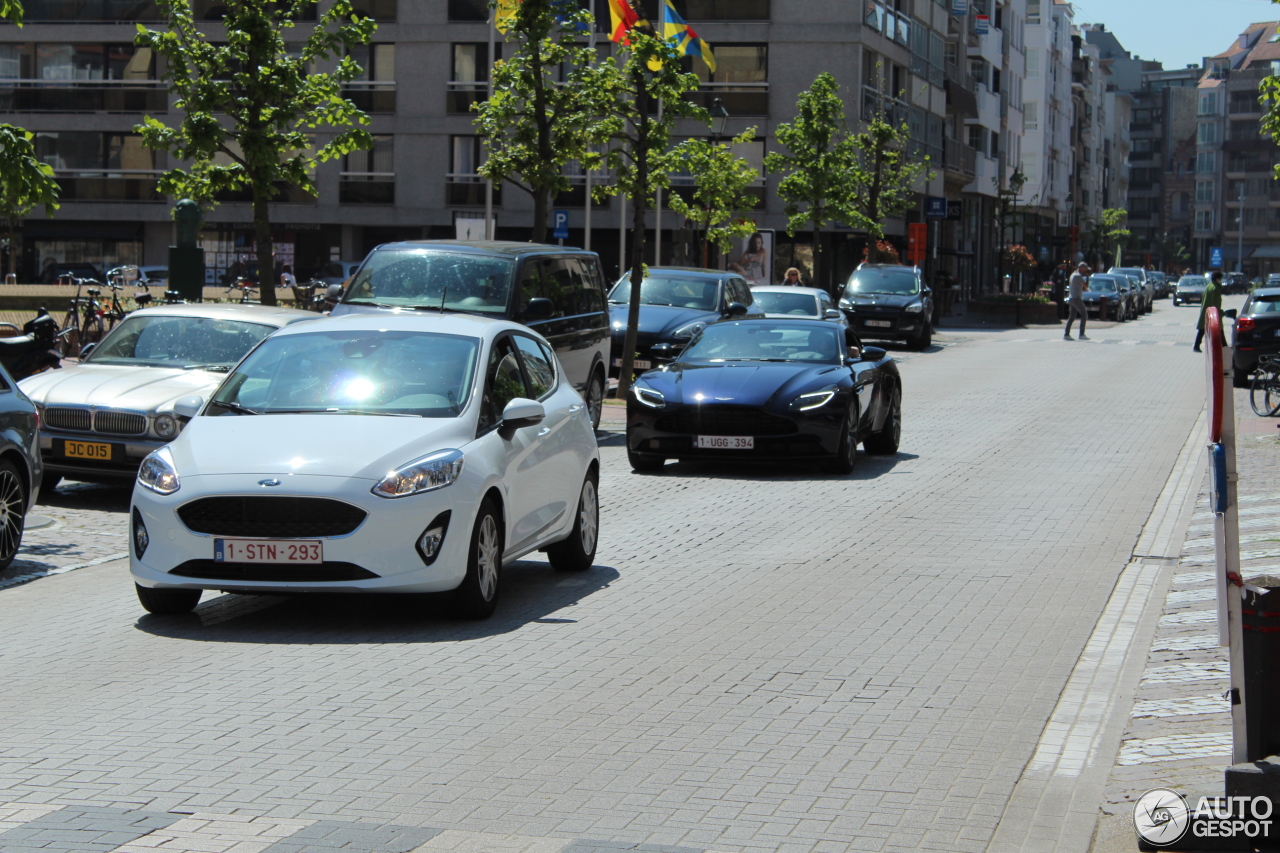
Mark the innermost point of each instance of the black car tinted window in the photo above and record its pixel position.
(681, 291)
(503, 382)
(1268, 303)
(590, 294)
(424, 278)
(766, 341)
(898, 281)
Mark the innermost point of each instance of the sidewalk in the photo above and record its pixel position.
(1179, 731)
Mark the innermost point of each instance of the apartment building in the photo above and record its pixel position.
(1047, 127)
(1089, 80)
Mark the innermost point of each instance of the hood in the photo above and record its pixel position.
(658, 320)
(738, 383)
(142, 389)
(361, 446)
(880, 300)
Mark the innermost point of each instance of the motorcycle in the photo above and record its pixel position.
(33, 351)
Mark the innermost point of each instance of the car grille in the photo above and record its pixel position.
(314, 573)
(271, 517)
(724, 420)
(107, 422)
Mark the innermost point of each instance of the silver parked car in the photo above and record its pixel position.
(812, 303)
(1189, 290)
(101, 417)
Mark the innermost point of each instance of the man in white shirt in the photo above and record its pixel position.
(1075, 300)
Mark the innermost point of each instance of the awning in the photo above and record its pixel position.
(64, 229)
(962, 99)
(1267, 252)
(1229, 251)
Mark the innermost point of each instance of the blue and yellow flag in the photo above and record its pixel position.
(676, 31)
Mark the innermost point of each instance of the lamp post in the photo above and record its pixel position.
(1008, 197)
(719, 118)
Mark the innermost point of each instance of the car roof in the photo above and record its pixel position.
(1265, 291)
(447, 323)
(813, 322)
(501, 248)
(687, 271)
(272, 315)
(783, 288)
(866, 266)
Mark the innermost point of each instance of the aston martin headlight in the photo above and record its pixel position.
(158, 473)
(689, 330)
(427, 474)
(166, 426)
(813, 399)
(648, 397)
(913, 308)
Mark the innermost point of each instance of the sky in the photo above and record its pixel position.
(1175, 32)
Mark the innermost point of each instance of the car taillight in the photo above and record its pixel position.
(1245, 324)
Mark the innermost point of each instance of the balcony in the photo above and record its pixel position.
(83, 96)
(108, 185)
(895, 110)
(367, 188)
(740, 99)
(372, 96)
(959, 158)
(467, 190)
(460, 96)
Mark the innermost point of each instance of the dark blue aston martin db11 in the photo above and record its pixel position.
(767, 389)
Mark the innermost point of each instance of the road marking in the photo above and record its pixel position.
(1174, 748)
(1189, 706)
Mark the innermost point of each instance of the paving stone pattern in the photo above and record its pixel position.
(763, 659)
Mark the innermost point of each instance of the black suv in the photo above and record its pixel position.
(558, 292)
(885, 301)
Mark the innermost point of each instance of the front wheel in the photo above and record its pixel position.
(167, 602)
(13, 512)
(925, 339)
(578, 552)
(477, 596)
(884, 441)
(595, 398)
(846, 458)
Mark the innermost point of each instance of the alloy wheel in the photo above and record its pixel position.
(487, 558)
(11, 514)
(589, 517)
(595, 400)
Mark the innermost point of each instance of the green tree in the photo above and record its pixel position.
(816, 166)
(251, 104)
(719, 199)
(882, 178)
(24, 182)
(535, 123)
(640, 154)
(1112, 228)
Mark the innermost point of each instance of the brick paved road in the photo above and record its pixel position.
(762, 659)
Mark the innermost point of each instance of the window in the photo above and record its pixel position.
(1204, 220)
(995, 145)
(1245, 129)
(474, 10)
(1208, 104)
(471, 62)
(1031, 115)
(539, 366)
(503, 382)
(975, 137)
(465, 186)
(1206, 162)
(740, 78)
(1033, 11)
(717, 10)
(375, 91)
(1033, 63)
(1207, 133)
(564, 282)
(369, 177)
(88, 151)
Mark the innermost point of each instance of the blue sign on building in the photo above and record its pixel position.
(982, 24)
(935, 207)
(560, 225)
(959, 8)
(1215, 257)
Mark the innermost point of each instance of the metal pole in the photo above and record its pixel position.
(488, 184)
(586, 242)
(657, 207)
(1240, 234)
(622, 234)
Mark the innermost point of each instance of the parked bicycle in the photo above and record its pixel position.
(1264, 389)
(246, 287)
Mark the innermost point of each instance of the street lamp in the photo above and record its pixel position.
(719, 118)
(1008, 197)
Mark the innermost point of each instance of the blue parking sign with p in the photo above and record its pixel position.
(560, 224)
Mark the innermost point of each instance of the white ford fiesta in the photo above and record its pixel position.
(371, 453)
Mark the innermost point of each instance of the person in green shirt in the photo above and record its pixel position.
(1212, 298)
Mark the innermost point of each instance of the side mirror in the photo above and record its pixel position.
(854, 353)
(832, 314)
(735, 309)
(539, 308)
(874, 353)
(522, 412)
(333, 291)
(188, 407)
(86, 349)
(665, 350)
(1230, 312)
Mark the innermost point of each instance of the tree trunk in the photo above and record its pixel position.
(641, 157)
(541, 201)
(13, 244)
(262, 241)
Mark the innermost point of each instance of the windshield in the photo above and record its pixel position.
(1188, 282)
(184, 342)
(883, 281)
(800, 304)
(767, 341)
(422, 278)
(1268, 303)
(1130, 271)
(681, 291)
(353, 372)
(1099, 283)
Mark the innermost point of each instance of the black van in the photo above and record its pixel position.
(558, 292)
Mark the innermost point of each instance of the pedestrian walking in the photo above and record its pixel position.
(1212, 298)
(1075, 300)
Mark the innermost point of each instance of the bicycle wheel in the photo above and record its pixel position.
(1272, 396)
(1258, 391)
(68, 342)
(92, 331)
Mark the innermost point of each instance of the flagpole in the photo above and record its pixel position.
(586, 243)
(657, 207)
(488, 184)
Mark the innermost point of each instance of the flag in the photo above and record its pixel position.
(622, 19)
(504, 17)
(676, 31)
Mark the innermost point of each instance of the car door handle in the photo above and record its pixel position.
(543, 431)
(573, 410)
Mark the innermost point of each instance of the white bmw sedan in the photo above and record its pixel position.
(371, 453)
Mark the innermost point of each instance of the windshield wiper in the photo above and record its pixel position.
(212, 368)
(235, 407)
(370, 302)
(338, 412)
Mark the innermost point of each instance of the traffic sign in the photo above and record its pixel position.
(1215, 257)
(917, 240)
(935, 207)
(560, 224)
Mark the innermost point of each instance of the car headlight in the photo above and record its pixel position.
(846, 304)
(913, 308)
(158, 473)
(166, 426)
(427, 474)
(648, 397)
(813, 399)
(689, 330)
